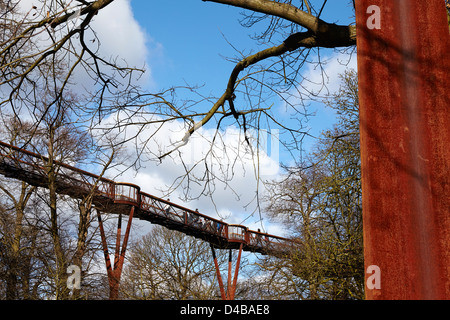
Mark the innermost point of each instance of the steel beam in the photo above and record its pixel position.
(404, 80)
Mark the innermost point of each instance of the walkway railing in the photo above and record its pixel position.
(31, 167)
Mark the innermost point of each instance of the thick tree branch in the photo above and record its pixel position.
(295, 41)
(288, 12)
(321, 34)
(92, 8)
(282, 10)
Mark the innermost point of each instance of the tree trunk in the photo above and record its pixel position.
(60, 261)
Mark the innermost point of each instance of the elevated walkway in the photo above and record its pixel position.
(119, 197)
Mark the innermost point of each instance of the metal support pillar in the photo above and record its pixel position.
(115, 271)
(404, 77)
(231, 283)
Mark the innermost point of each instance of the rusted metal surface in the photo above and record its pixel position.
(236, 273)
(230, 292)
(115, 271)
(219, 276)
(404, 82)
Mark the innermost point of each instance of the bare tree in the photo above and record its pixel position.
(46, 33)
(43, 33)
(40, 50)
(302, 30)
(167, 264)
(60, 143)
(322, 202)
(11, 241)
(292, 37)
(13, 229)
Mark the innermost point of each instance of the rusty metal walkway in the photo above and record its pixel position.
(122, 198)
(118, 197)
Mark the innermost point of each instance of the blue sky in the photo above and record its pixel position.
(186, 38)
(186, 42)
(191, 39)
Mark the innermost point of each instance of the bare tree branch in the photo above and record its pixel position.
(338, 35)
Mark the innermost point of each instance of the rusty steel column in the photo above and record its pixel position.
(236, 273)
(219, 277)
(231, 282)
(115, 271)
(404, 91)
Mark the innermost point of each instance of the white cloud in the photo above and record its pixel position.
(229, 159)
(327, 80)
(235, 200)
(327, 83)
(121, 35)
(118, 38)
(318, 82)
